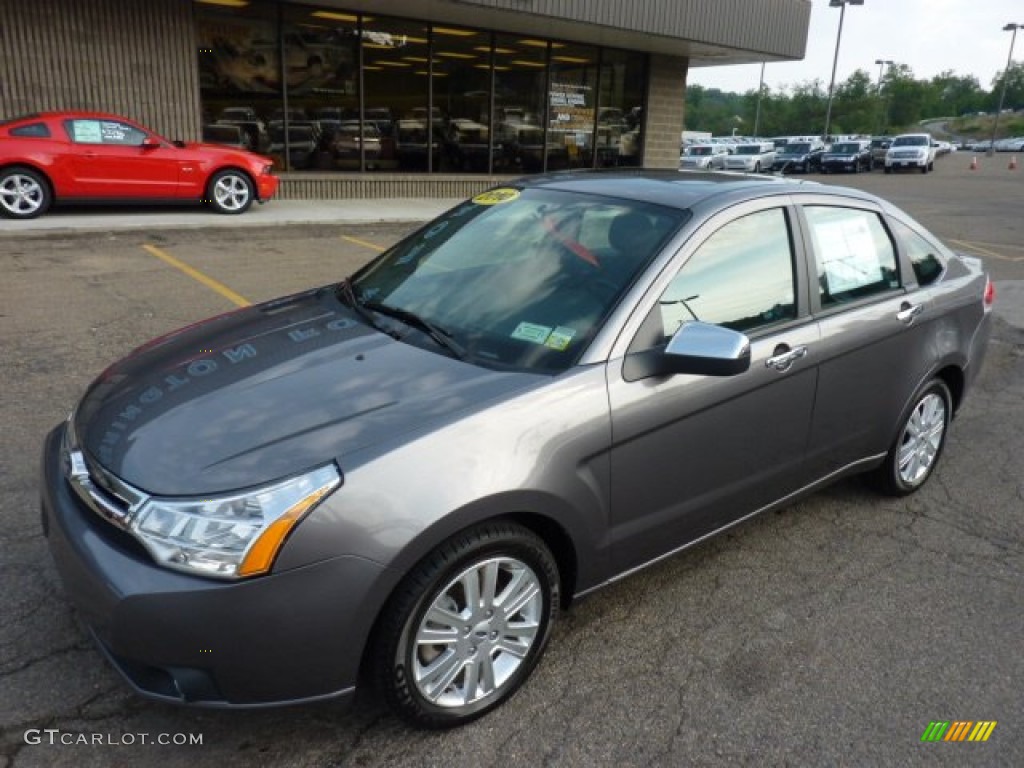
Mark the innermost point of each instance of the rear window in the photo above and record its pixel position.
(32, 130)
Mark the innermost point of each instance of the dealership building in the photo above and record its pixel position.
(393, 98)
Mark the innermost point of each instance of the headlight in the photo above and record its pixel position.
(230, 536)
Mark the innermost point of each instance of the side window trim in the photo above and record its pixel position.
(814, 300)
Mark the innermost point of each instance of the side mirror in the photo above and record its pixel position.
(698, 349)
(150, 143)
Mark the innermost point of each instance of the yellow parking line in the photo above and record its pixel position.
(364, 243)
(195, 274)
(986, 251)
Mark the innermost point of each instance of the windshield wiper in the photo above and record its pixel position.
(440, 336)
(347, 293)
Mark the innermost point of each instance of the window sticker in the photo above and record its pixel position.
(87, 131)
(496, 196)
(536, 334)
(849, 256)
(114, 133)
(560, 338)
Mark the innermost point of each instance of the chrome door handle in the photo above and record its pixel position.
(908, 312)
(784, 360)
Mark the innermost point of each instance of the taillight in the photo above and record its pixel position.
(990, 293)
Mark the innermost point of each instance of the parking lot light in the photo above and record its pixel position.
(882, 64)
(1011, 27)
(841, 5)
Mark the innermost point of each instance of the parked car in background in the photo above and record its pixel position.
(752, 157)
(879, 146)
(303, 143)
(704, 157)
(402, 477)
(75, 157)
(911, 150)
(225, 135)
(253, 128)
(799, 156)
(349, 141)
(853, 156)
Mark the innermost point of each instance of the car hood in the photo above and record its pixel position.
(269, 391)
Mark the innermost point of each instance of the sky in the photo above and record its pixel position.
(929, 36)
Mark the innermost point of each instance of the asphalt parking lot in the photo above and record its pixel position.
(829, 633)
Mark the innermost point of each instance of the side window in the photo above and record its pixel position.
(740, 278)
(108, 132)
(853, 252)
(32, 130)
(924, 256)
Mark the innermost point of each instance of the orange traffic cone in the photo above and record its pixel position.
(974, 163)
(1013, 162)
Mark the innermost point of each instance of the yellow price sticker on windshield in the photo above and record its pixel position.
(495, 196)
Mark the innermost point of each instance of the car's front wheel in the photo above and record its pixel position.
(230, 191)
(24, 193)
(467, 626)
(919, 443)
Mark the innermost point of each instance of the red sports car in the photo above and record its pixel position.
(65, 157)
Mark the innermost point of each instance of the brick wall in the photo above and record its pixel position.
(129, 57)
(666, 92)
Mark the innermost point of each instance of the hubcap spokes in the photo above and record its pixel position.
(477, 632)
(21, 194)
(231, 193)
(922, 439)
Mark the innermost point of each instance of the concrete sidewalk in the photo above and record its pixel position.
(275, 213)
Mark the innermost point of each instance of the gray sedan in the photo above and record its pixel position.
(402, 478)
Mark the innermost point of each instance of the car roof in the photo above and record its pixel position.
(679, 189)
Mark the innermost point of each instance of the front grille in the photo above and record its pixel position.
(103, 493)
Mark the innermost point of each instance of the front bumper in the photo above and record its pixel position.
(282, 638)
(266, 186)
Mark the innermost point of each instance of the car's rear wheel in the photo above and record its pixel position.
(230, 191)
(24, 193)
(467, 626)
(919, 442)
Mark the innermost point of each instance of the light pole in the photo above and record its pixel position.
(760, 93)
(841, 5)
(1006, 78)
(882, 63)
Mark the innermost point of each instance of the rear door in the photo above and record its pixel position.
(107, 159)
(690, 454)
(873, 318)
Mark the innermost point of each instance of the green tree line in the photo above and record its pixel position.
(860, 105)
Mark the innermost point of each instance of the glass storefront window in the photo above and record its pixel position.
(285, 80)
(573, 100)
(462, 97)
(321, 65)
(520, 85)
(396, 54)
(239, 72)
(620, 108)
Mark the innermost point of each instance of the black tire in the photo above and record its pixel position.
(404, 669)
(888, 169)
(919, 442)
(924, 168)
(24, 193)
(230, 191)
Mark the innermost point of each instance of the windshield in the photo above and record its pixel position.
(910, 141)
(846, 149)
(699, 151)
(796, 149)
(519, 279)
(749, 149)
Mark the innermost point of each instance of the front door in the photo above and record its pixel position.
(107, 159)
(691, 454)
